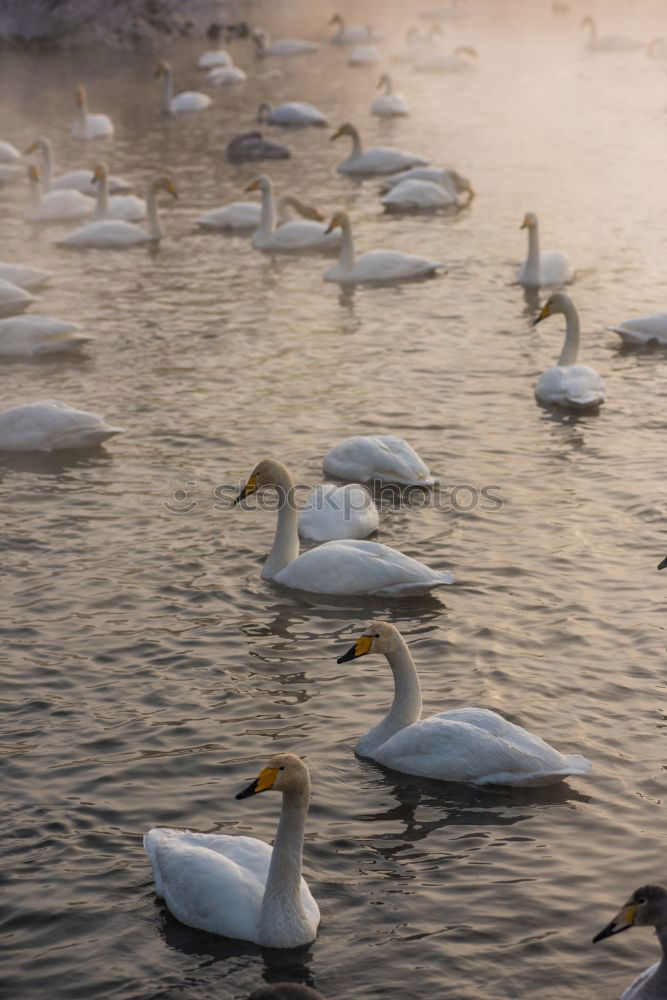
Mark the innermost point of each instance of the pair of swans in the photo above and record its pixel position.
(568, 384)
(388, 104)
(608, 43)
(295, 235)
(295, 114)
(87, 125)
(78, 180)
(346, 566)
(375, 267)
(646, 907)
(183, 103)
(379, 160)
(542, 267)
(118, 234)
(50, 425)
(426, 189)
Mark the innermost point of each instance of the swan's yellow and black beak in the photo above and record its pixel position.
(262, 783)
(546, 311)
(337, 134)
(253, 186)
(361, 647)
(623, 921)
(250, 487)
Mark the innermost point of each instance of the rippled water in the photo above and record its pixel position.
(148, 669)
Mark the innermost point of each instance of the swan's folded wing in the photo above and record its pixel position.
(633, 990)
(643, 328)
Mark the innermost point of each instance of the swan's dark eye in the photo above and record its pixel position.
(377, 635)
(640, 902)
(281, 768)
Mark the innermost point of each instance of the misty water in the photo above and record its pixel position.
(148, 671)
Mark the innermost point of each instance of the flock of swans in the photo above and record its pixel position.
(238, 886)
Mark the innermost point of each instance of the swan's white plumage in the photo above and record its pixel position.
(292, 113)
(333, 512)
(185, 102)
(241, 216)
(27, 278)
(451, 180)
(459, 61)
(214, 59)
(117, 234)
(37, 336)
(13, 299)
(90, 126)
(294, 235)
(375, 267)
(542, 268)
(363, 55)
(379, 160)
(388, 104)
(50, 425)
(53, 207)
(115, 206)
(9, 153)
(226, 76)
(651, 329)
(80, 179)
(418, 196)
(383, 457)
(568, 384)
(283, 47)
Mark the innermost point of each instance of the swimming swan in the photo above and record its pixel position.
(382, 457)
(363, 55)
(28, 278)
(645, 330)
(116, 234)
(418, 196)
(294, 236)
(375, 266)
(380, 160)
(332, 512)
(186, 101)
(284, 47)
(542, 268)
(115, 206)
(37, 336)
(567, 383)
(295, 114)
(647, 907)
(214, 57)
(355, 34)
(245, 216)
(54, 207)
(342, 567)
(226, 76)
(81, 179)
(13, 298)
(87, 126)
(608, 43)
(239, 886)
(52, 426)
(472, 745)
(389, 104)
(455, 183)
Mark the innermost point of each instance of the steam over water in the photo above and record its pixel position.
(147, 668)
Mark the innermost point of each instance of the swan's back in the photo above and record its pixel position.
(379, 456)
(571, 385)
(106, 233)
(50, 426)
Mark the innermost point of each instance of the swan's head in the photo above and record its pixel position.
(164, 183)
(385, 80)
(261, 183)
(646, 906)
(263, 111)
(80, 97)
(338, 220)
(556, 303)
(346, 129)
(529, 221)
(100, 172)
(461, 183)
(268, 472)
(163, 69)
(336, 19)
(378, 637)
(285, 772)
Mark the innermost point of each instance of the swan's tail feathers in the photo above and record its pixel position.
(576, 764)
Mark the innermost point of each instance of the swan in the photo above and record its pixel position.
(9, 173)
(28, 278)
(52, 426)
(239, 886)
(249, 147)
(9, 153)
(454, 182)
(471, 745)
(461, 60)
(63, 205)
(117, 206)
(226, 76)
(418, 196)
(374, 266)
(80, 180)
(36, 336)
(87, 126)
(608, 43)
(343, 567)
(13, 299)
(332, 512)
(363, 55)
(379, 160)
(285, 47)
(293, 113)
(214, 57)
(245, 216)
(647, 907)
(354, 34)
(294, 236)
(389, 104)
(645, 330)
(542, 268)
(416, 41)
(116, 234)
(568, 384)
(188, 100)
(382, 458)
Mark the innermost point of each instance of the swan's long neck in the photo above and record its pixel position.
(568, 356)
(282, 894)
(35, 194)
(660, 974)
(102, 204)
(346, 256)
(356, 142)
(47, 163)
(154, 227)
(406, 707)
(167, 89)
(285, 548)
(532, 270)
(83, 110)
(267, 222)
(388, 86)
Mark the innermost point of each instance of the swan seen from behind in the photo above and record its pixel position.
(332, 512)
(568, 384)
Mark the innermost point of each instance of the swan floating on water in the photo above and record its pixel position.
(37, 336)
(116, 206)
(54, 207)
(418, 196)
(216, 57)
(643, 331)
(80, 180)
(294, 113)
(226, 76)
(50, 425)
(355, 34)
(89, 126)
(333, 512)
(375, 266)
(284, 47)
(241, 887)
(567, 383)
(608, 43)
(379, 160)
(13, 298)
(550, 267)
(471, 745)
(245, 216)
(183, 103)
(647, 907)
(117, 234)
(378, 457)
(9, 153)
(363, 55)
(389, 104)
(344, 567)
(295, 235)
(250, 147)
(28, 278)
(454, 182)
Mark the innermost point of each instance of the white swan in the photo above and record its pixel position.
(454, 182)
(551, 267)
(647, 907)
(284, 47)
(379, 160)
(461, 60)
(226, 76)
(9, 153)
(116, 206)
(389, 104)
(608, 43)
(116, 234)
(418, 196)
(214, 57)
(294, 236)
(28, 278)
(245, 216)
(239, 886)
(384, 458)
(471, 745)
(13, 299)
(568, 384)
(645, 330)
(186, 101)
(9, 172)
(354, 34)
(293, 113)
(86, 125)
(332, 512)
(36, 336)
(63, 205)
(363, 55)
(374, 266)
(52, 426)
(344, 567)
(80, 180)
